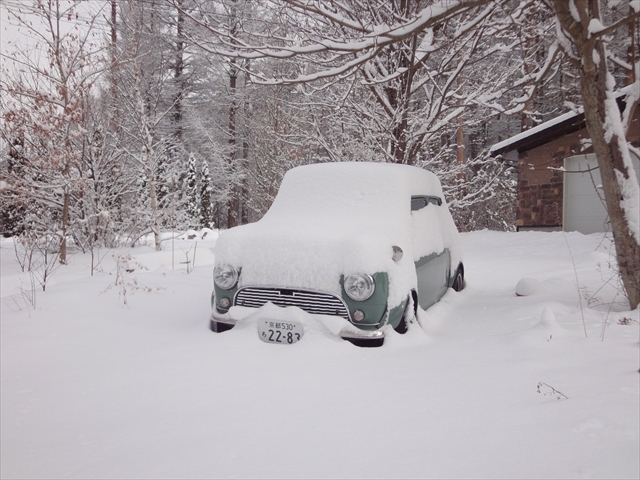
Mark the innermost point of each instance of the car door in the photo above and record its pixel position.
(432, 269)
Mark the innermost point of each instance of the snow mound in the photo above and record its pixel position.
(554, 288)
(529, 286)
(548, 319)
(548, 328)
(207, 233)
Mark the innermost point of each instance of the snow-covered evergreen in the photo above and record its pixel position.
(206, 207)
(193, 205)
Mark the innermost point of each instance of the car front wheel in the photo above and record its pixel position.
(458, 282)
(408, 315)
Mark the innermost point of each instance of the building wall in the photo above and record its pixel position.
(540, 181)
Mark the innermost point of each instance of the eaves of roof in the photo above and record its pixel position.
(543, 133)
(549, 131)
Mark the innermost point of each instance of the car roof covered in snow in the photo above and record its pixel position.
(352, 188)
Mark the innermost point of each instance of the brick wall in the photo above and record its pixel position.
(540, 182)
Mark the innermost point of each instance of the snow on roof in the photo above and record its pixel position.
(572, 119)
(505, 144)
(353, 188)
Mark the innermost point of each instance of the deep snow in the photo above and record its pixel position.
(91, 388)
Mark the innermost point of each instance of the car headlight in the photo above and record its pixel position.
(225, 276)
(359, 287)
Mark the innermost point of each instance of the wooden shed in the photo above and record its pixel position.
(558, 177)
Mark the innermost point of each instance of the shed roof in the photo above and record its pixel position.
(551, 130)
(544, 133)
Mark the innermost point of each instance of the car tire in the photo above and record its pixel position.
(407, 316)
(403, 326)
(458, 282)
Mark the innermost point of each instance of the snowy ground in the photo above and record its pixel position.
(491, 386)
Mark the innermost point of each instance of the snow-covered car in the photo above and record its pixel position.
(366, 242)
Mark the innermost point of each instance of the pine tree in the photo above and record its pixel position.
(193, 206)
(206, 207)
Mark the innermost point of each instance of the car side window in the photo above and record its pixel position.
(418, 202)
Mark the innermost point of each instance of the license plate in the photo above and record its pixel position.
(276, 331)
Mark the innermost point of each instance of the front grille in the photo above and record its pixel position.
(317, 303)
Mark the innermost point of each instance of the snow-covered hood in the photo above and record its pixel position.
(306, 254)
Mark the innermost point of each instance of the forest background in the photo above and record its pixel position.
(122, 118)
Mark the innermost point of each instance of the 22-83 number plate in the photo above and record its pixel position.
(276, 331)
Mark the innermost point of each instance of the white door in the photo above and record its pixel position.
(583, 208)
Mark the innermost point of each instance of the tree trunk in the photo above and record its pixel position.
(631, 49)
(147, 156)
(232, 212)
(610, 160)
(595, 97)
(233, 204)
(460, 146)
(66, 200)
(178, 71)
(153, 201)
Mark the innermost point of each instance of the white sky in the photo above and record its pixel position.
(13, 36)
(8, 31)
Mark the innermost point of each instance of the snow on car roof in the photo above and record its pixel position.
(356, 185)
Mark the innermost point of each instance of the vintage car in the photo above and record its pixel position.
(366, 242)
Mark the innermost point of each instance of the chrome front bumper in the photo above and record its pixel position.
(221, 322)
(363, 338)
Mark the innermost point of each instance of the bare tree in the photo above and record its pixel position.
(583, 39)
(45, 103)
(149, 105)
(337, 40)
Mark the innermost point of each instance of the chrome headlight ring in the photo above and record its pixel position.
(225, 276)
(359, 286)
